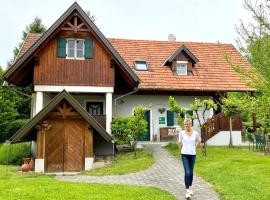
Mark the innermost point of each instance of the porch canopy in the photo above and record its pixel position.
(28, 131)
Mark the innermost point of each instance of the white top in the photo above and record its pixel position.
(189, 142)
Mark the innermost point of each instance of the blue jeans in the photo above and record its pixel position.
(188, 163)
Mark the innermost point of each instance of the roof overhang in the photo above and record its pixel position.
(181, 49)
(64, 95)
(28, 56)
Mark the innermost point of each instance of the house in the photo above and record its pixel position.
(81, 79)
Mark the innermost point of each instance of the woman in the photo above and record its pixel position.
(189, 139)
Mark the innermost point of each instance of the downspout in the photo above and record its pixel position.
(136, 89)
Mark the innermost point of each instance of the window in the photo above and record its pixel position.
(75, 48)
(94, 108)
(181, 67)
(172, 117)
(140, 65)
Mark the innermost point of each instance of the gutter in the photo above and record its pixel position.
(136, 89)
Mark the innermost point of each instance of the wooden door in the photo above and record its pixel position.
(74, 145)
(54, 157)
(146, 135)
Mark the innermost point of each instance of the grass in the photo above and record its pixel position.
(14, 153)
(14, 185)
(235, 173)
(124, 163)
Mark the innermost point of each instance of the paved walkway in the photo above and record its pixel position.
(166, 173)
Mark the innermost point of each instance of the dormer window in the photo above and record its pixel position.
(181, 67)
(75, 48)
(140, 65)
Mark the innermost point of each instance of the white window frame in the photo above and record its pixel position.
(182, 62)
(75, 49)
(141, 61)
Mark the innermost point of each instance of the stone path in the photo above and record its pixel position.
(166, 173)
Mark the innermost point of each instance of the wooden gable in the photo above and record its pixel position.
(182, 54)
(55, 70)
(41, 65)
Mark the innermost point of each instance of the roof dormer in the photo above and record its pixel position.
(182, 61)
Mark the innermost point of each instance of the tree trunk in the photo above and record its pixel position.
(135, 148)
(231, 140)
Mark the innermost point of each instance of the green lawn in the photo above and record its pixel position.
(235, 173)
(125, 162)
(15, 185)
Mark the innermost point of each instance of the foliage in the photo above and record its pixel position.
(229, 108)
(8, 113)
(15, 106)
(137, 125)
(124, 163)
(35, 27)
(13, 154)
(254, 42)
(120, 130)
(130, 129)
(14, 185)
(206, 105)
(198, 104)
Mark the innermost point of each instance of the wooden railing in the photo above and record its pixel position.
(218, 123)
(101, 119)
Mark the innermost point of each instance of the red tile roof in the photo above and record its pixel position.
(31, 38)
(211, 73)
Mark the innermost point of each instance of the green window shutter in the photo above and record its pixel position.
(170, 116)
(88, 48)
(61, 47)
(190, 112)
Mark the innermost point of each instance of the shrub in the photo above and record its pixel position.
(10, 128)
(13, 154)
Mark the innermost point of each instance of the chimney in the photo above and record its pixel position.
(171, 37)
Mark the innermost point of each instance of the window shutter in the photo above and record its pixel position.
(88, 48)
(170, 116)
(61, 47)
(190, 112)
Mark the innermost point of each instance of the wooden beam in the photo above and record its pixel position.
(70, 25)
(89, 150)
(40, 147)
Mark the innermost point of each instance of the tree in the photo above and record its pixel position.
(128, 130)
(230, 108)
(205, 105)
(15, 107)
(137, 126)
(254, 43)
(35, 27)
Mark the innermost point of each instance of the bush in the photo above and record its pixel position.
(11, 128)
(16, 153)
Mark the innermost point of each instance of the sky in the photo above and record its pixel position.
(188, 20)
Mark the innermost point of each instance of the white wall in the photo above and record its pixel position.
(124, 107)
(223, 138)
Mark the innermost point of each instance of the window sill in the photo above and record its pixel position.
(71, 58)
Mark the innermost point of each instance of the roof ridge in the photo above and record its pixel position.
(166, 41)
